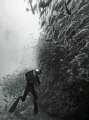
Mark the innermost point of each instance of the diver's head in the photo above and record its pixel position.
(38, 71)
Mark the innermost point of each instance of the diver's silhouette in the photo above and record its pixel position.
(32, 79)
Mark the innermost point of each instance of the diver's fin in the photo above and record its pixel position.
(13, 107)
(35, 107)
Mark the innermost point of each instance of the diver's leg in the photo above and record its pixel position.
(23, 98)
(34, 94)
(34, 100)
(35, 107)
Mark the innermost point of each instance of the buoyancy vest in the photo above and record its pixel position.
(32, 78)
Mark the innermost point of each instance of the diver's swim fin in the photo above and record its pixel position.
(13, 107)
(35, 107)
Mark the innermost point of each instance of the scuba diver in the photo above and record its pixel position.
(32, 79)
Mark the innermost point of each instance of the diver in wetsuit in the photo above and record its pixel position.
(32, 79)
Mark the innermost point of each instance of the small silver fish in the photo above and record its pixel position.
(67, 10)
(5, 100)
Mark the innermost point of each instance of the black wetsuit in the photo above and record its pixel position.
(31, 80)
